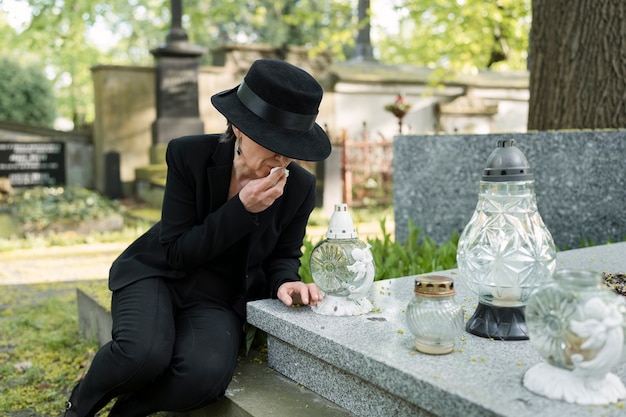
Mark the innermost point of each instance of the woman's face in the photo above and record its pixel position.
(258, 161)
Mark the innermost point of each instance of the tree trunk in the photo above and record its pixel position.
(577, 64)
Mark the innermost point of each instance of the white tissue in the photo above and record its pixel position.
(277, 168)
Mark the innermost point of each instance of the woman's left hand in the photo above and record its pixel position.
(297, 292)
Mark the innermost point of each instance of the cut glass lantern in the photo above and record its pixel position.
(505, 251)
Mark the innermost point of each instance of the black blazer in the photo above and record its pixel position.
(201, 233)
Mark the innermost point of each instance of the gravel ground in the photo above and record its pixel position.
(55, 264)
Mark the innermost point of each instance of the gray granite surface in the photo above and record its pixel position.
(368, 365)
(579, 182)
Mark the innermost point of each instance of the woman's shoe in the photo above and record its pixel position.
(70, 405)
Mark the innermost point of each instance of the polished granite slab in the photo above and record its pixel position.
(580, 189)
(368, 365)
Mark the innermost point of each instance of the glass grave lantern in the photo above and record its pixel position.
(343, 267)
(577, 325)
(505, 251)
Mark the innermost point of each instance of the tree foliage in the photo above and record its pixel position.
(55, 40)
(447, 34)
(460, 35)
(26, 95)
(321, 26)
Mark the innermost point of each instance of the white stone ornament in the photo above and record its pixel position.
(578, 328)
(561, 384)
(340, 306)
(343, 267)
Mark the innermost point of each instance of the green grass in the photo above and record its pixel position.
(127, 234)
(41, 352)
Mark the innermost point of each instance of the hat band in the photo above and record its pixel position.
(272, 114)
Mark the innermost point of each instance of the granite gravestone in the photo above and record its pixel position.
(177, 84)
(579, 182)
(112, 180)
(28, 164)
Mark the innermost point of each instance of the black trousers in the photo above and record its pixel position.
(168, 352)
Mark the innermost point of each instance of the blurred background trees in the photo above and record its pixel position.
(464, 35)
(577, 60)
(26, 95)
(66, 38)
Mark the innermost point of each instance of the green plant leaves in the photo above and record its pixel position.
(39, 207)
(417, 255)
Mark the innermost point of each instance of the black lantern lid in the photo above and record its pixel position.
(507, 163)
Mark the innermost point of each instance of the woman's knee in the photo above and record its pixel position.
(150, 357)
(141, 356)
(206, 383)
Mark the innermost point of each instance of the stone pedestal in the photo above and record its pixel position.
(176, 94)
(177, 104)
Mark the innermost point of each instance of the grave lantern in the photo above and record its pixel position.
(576, 323)
(343, 267)
(505, 251)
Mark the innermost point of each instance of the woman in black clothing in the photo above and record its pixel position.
(234, 216)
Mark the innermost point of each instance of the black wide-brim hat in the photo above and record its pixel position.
(276, 106)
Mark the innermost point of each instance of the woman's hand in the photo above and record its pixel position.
(297, 292)
(257, 195)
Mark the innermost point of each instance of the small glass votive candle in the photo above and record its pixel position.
(433, 315)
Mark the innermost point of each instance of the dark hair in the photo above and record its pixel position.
(229, 134)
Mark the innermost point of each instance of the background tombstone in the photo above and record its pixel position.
(112, 178)
(28, 164)
(177, 105)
